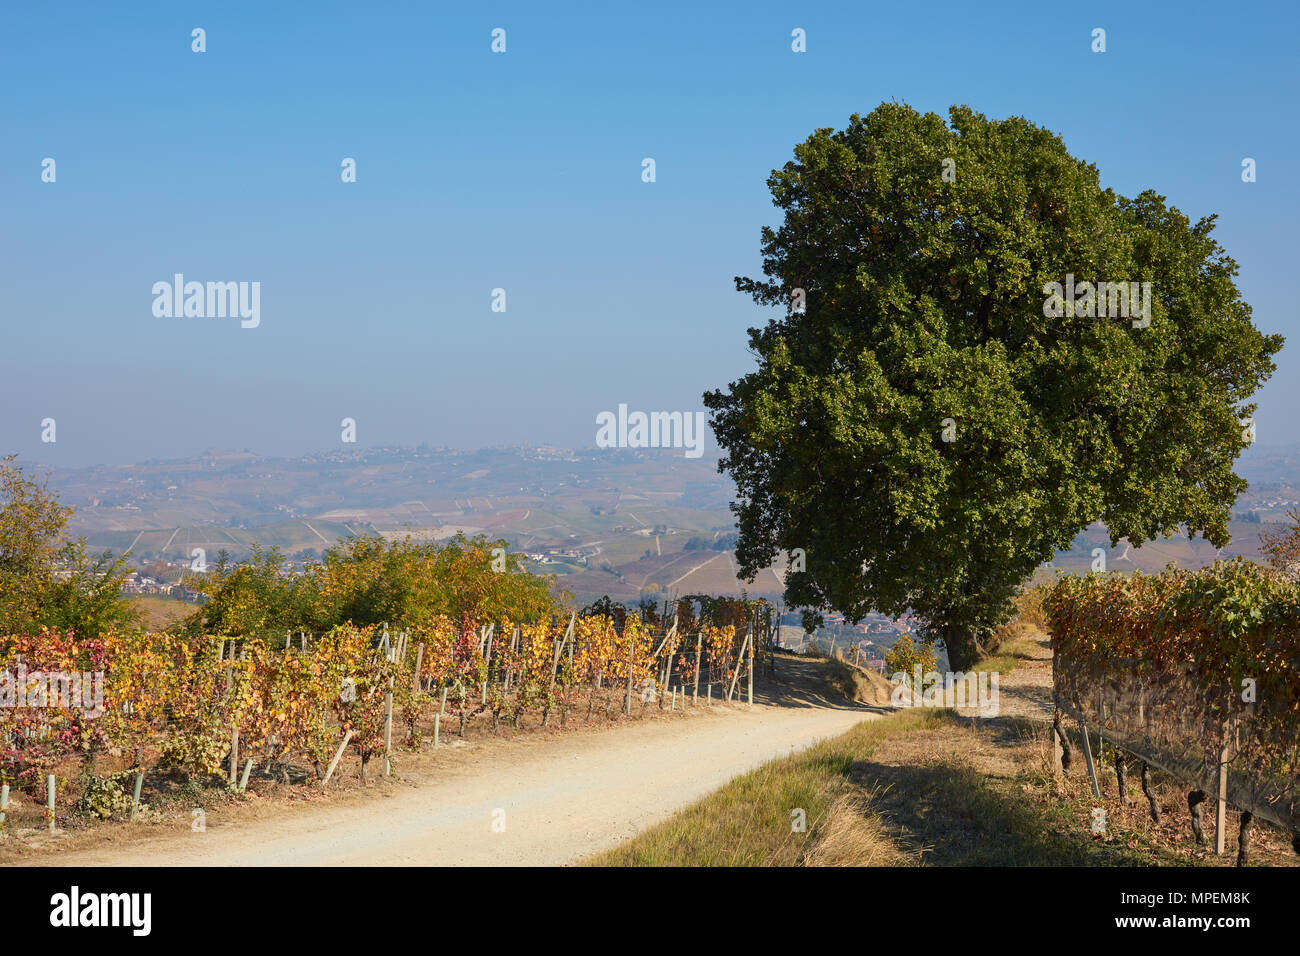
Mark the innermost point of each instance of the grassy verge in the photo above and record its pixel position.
(753, 820)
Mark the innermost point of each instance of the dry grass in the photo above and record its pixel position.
(853, 835)
(857, 684)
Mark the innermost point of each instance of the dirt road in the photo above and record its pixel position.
(560, 799)
(1027, 690)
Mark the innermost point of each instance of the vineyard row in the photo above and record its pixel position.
(1197, 673)
(208, 705)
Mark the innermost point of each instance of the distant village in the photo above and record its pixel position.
(864, 643)
(152, 583)
(143, 584)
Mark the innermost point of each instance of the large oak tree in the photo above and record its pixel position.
(924, 251)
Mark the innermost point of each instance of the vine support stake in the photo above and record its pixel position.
(1087, 756)
(630, 647)
(49, 801)
(4, 804)
(337, 754)
(751, 673)
(1221, 810)
(135, 794)
(388, 729)
(699, 646)
(234, 753)
(735, 678)
(248, 768)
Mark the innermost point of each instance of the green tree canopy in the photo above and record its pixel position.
(370, 580)
(926, 252)
(47, 580)
(249, 597)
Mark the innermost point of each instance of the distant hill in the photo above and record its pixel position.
(626, 523)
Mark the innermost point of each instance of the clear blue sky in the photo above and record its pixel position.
(523, 171)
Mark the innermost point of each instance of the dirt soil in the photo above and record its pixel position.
(534, 800)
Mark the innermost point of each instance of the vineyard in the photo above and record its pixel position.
(1197, 674)
(212, 710)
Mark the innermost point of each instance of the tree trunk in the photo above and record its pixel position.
(1196, 804)
(1243, 838)
(1146, 790)
(964, 650)
(1067, 752)
(1121, 777)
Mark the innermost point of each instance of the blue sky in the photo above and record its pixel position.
(523, 171)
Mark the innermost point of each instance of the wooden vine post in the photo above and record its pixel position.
(751, 673)
(556, 654)
(1087, 756)
(234, 753)
(699, 646)
(628, 704)
(388, 729)
(735, 678)
(772, 644)
(515, 640)
(337, 754)
(668, 645)
(1221, 810)
(1057, 750)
